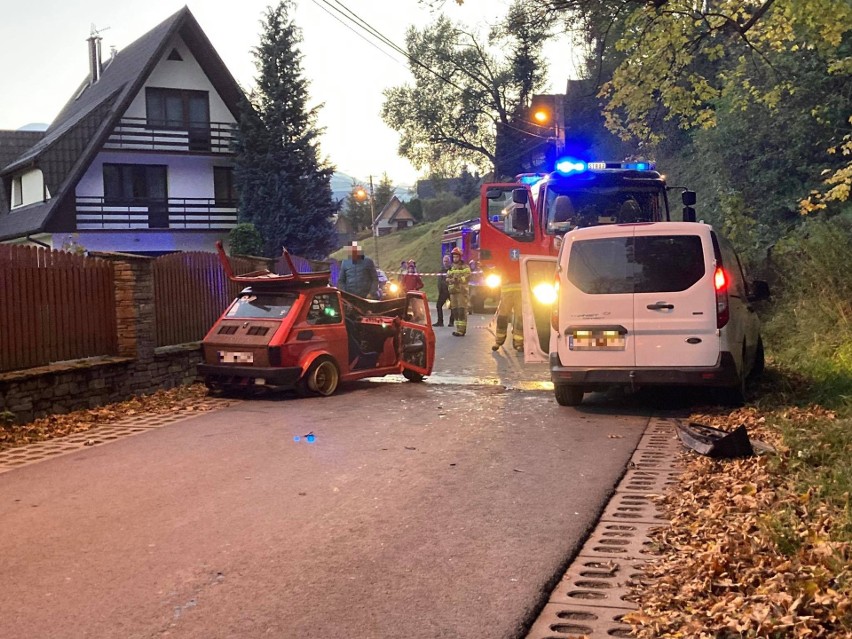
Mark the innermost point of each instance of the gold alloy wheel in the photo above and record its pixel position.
(323, 377)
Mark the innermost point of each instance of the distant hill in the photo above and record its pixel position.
(341, 186)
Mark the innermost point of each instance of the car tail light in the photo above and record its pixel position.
(554, 311)
(720, 283)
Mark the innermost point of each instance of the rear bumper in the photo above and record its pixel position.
(228, 374)
(724, 373)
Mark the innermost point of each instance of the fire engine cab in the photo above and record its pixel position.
(522, 224)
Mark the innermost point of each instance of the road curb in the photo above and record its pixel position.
(593, 595)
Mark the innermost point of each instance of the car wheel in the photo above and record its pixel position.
(412, 376)
(322, 377)
(567, 395)
(759, 361)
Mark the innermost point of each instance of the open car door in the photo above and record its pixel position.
(538, 295)
(417, 339)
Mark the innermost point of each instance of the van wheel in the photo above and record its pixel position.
(322, 377)
(759, 361)
(412, 376)
(567, 395)
(735, 396)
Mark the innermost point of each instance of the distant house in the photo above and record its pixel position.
(394, 217)
(140, 159)
(345, 230)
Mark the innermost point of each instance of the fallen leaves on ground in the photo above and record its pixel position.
(182, 399)
(721, 573)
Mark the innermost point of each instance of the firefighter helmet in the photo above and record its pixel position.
(456, 251)
(412, 263)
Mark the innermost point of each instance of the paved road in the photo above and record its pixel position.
(437, 510)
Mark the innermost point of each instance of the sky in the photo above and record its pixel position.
(43, 59)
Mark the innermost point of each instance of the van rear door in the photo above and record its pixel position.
(596, 299)
(674, 302)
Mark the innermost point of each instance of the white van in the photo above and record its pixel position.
(657, 303)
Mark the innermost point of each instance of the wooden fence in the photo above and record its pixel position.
(54, 306)
(190, 293)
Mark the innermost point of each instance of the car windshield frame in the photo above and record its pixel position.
(262, 306)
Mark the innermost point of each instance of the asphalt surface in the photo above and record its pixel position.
(442, 509)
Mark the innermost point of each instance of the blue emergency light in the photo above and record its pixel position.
(567, 166)
(530, 178)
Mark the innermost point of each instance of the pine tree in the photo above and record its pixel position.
(383, 193)
(284, 186)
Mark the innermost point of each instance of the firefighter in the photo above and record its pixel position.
(509, 310)
(458, 277)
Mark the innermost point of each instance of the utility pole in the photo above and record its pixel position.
(375, 227)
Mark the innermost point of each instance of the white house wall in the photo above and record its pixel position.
(180, 74)
(140, 242)
(187, 175)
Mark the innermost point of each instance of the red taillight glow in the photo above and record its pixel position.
(720, 279)
(720, 282)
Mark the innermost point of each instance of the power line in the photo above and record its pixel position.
(372, 44)
(359, 22)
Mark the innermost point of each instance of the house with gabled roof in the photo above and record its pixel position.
(394, 217)
(140, 159)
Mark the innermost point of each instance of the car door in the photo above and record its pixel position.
(595, 306)
(538, 295)
(417, 339)
(675, 299)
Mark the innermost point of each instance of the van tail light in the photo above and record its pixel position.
(720, 283)
(554, 310)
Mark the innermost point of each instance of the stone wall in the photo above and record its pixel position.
(93, 382)
(138, 368)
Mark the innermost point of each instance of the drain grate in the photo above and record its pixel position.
(39, 451)
(594, 593)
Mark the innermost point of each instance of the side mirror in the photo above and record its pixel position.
(759, 291)
(688, 214)
(688, 198)
(519, 196)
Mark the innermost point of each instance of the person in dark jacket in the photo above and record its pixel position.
(443, 293)
(358, 274)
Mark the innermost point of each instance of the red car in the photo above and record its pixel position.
(298, 332)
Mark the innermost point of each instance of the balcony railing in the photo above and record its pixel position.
(185, 213)
(138, 134)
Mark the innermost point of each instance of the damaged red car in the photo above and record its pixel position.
(298, 332)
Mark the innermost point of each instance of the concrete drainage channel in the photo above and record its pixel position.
(99, 435)
(593, 595)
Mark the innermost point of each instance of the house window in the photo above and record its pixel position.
(138, 185)
(224, 191)
(183, 110)
(17, 191)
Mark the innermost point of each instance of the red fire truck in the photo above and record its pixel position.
(522, 224)
(465, 236)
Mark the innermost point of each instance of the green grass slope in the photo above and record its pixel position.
(421, 243)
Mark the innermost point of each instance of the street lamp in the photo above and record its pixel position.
(361, 195)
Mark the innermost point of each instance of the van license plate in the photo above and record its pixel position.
(596, 341)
